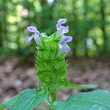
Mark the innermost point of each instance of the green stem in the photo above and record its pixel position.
(53, 97)
(51, 109)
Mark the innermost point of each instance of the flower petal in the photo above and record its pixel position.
(32, 29)
(66, 48)
(61, 21)
(65, 29)
(60, 49)
(65, 40)
(61, 30)
(37, 39)
(29, 38)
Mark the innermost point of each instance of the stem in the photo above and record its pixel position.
(51, 109)
(53, 97)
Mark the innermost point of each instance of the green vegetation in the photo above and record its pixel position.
(89, 23)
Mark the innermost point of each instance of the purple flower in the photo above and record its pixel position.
(35, 36)
(61, 29)
(63, 47)
(61, 21)
(32, 29)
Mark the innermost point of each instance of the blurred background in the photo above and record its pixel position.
(89, 25)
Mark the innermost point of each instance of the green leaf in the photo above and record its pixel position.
(47, 101)
(60, 105)
(26, 100)
(9, 103)
(66, 85)
(13, 100)
(95, 100)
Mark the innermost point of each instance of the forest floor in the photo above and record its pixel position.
(17, 75)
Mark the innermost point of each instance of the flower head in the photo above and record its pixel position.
(35, 36)
(61, 29)
(63, 47)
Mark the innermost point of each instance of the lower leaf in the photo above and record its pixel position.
(26, 100)
(10, 102)
(95, 100)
